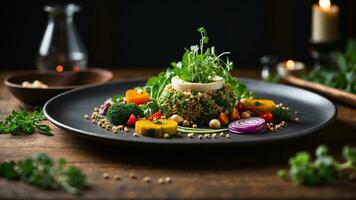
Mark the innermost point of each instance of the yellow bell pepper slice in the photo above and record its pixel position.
(258, 105)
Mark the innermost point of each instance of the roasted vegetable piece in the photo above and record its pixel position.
(136, 96)
(223, 118)
(257, 105)
(156, 115)
(119, 113)
(267, 116)
(131, 121)
(235, 114)
(156, 128)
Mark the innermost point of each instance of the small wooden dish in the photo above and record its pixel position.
(57, 83)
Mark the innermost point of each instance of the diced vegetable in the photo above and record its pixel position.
(156, 128)
(257, 105)
(131, 121)
(235, 114)
(223, 118)
(136, 96)
(156, 115)
(248, 125)
(105, 109)
(239, 106)
(267, 116)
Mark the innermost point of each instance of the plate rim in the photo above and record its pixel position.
(156, 141)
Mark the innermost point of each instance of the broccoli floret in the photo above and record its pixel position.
(119, 113)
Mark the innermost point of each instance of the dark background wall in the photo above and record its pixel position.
(138, 33)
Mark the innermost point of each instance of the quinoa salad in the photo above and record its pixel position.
(197, 96)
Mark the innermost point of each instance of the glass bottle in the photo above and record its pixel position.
(61, 48)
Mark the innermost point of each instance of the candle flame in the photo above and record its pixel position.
(59, 68)
(324, 3)
(290, 64)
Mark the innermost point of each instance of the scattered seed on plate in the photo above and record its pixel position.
(147, 179)
(86, 116)
(214, 135)
(135, 134)
(168, 179)
(126, 129)
(161, 181)
(200, 137)
(106, 175)
(166, 136)
(93, 121)
(207, 136)
(96, 109)
(227, 135)
(195, 126)
(120, 127)
(132, 176)
(222, 134)
(190, 135)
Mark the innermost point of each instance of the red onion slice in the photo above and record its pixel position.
(248, 125)
(105, 109)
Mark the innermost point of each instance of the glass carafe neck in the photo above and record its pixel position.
(59, 13)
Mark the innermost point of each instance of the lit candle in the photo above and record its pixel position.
(290, 67)
(324, 22)
(59, 68)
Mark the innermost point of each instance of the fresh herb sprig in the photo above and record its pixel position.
(42, 171)
(23, 122)
(323, 169)
(198, 65)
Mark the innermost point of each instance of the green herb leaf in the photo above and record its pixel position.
(349, 153)
(40, 170)
(257, 103)
(323, 169)
(26, 123)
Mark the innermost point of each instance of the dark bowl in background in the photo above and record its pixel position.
(57, 83)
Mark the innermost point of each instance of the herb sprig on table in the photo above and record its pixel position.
(26, 123)
(198, 65)
(344, 75)
(323, 169)
(42, 171)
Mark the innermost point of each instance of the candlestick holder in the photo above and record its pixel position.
(321, 53)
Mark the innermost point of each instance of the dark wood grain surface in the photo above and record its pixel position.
(247, 172)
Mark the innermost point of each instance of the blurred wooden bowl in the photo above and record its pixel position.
(57, 83)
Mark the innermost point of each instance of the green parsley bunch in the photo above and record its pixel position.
(42, 171)
(323, 169)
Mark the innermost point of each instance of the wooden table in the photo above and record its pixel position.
(245, 172)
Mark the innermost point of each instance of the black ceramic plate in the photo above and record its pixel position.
(67, 110)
